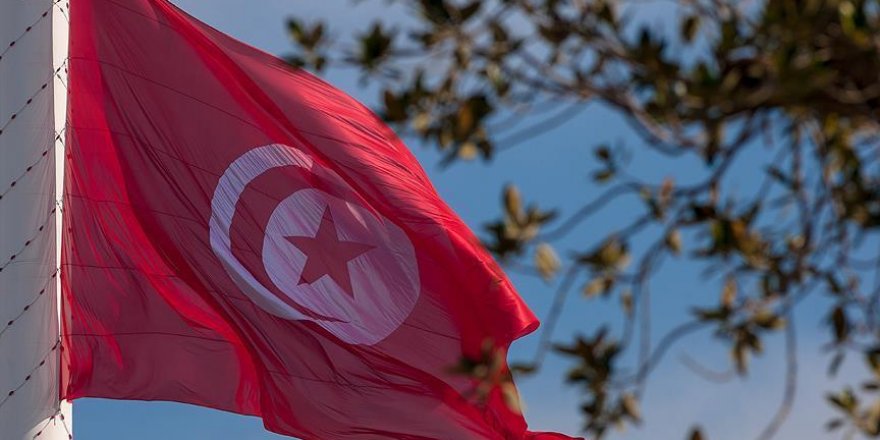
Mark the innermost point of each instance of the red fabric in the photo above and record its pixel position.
(243, 236)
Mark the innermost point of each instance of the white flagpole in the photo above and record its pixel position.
(60, 42)
(33, 44)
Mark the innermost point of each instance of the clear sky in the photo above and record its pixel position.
(555, 168)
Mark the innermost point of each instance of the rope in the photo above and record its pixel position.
(59, 416)
(27, 30)
(31, 99)
(32, 166)
(27, 308)
(33, 238)
(30, 375)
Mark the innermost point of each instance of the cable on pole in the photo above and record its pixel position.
(54, 418)
(9, 395)
(66, 428)
(11, 259)
(32, 166)
(27, 30)
(36, 297)
(31, 99)
(45, 425)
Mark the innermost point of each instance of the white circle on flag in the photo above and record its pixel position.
(361, 296)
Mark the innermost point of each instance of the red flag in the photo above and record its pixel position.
(243, 236)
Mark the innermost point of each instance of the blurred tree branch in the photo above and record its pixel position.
(792, 82)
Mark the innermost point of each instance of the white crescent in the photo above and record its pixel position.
(385, 280)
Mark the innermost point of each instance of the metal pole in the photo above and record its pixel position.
(33, 44)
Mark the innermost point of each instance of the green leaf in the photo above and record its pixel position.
(547, 261)
(513, 202)
(375, 46)
(728, 293)
(845, 400)
(603, 176)
(689, 27)
(834, 424)
(697, 434)
(840, 324)
(630, 407)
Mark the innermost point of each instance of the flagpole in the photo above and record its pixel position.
(33, 50)
(60, 48)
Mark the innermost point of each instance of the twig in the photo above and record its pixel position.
(790, 382)
(553, 315)
(665, 344)
(588, 210)
(529, 133)
(705, 372)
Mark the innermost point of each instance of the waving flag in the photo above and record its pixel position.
(243, 236)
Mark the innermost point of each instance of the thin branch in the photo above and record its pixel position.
(566, 114)
(553, 315)
(662, 347)
(790, 382)
(588, 210)
(718, 377)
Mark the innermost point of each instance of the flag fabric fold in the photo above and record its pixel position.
(243, 236)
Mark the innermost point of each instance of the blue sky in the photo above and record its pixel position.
(555, 168)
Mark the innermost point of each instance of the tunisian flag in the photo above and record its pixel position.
(243, 236)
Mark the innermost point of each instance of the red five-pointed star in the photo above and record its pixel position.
(327, 255)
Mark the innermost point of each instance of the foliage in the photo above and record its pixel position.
(794, 82)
